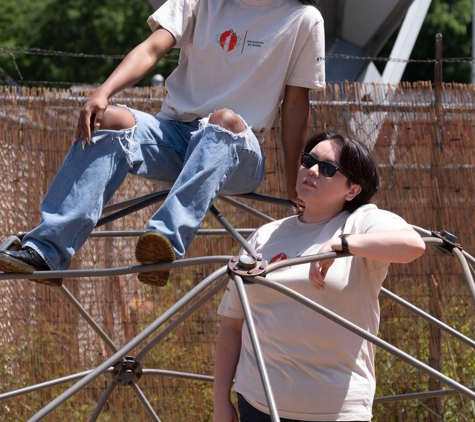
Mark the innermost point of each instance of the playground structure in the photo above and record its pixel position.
(403, 147)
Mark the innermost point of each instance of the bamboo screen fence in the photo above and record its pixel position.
(424, 142)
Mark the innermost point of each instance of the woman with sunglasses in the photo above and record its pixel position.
(319, 371)
(239, 61)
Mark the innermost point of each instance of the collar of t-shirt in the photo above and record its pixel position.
(258, 2)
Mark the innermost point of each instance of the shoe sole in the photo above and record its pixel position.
(9, 264)
(153, 248)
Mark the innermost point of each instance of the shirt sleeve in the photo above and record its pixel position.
(377, 221)
(230, 305)
(178, 17)
(309, 69)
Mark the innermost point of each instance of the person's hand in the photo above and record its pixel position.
(91, 116)
(225, 412)
(319, 269)
(299, 205)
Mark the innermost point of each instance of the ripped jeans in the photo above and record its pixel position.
(201, 160)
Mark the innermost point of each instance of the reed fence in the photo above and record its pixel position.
(423, 141)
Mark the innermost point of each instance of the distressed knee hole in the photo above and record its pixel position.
(227, 119)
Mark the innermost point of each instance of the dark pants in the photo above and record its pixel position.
(248, 413)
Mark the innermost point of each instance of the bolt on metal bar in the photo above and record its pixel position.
(232, 231)
(145, 403)
(102, 402)
(190, 311)
(257, 348)
(100, 332)
(367, 336)
(127, 348)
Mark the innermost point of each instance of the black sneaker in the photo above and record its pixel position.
(154, 247)
(26, 261)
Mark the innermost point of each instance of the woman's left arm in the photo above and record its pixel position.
(295, 120)
(397, 246)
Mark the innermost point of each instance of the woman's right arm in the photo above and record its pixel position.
(228, 349)
(132, 69)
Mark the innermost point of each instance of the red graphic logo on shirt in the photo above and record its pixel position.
(279, 257)
(228, 40)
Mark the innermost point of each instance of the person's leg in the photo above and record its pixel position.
(88, 178)
(223, 155)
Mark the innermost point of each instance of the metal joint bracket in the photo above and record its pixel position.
(127, 372)
(449, 242)
(247, 265)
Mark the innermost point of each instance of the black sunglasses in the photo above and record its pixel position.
(325, 169)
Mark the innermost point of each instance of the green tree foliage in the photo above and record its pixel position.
(452, 19)
(109, 27)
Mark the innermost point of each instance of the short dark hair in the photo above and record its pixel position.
(356, 161)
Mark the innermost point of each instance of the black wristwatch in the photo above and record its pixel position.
(344, 243)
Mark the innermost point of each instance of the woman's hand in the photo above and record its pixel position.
(91, 116)
(319, 269)
(225, 412)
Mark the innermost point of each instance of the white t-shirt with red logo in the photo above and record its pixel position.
(319, 371)
(240, 54)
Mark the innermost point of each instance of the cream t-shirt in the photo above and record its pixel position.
(240, 54)
(319, 371)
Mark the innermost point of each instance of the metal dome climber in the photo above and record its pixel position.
(127, 371)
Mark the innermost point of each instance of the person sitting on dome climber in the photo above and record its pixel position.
(240, 60)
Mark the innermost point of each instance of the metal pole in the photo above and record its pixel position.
(88, 318)
(428, 317)
(257, 348)
(367, 336)
(127, 348)
(102, 402)
(190, 311)
(145, 403)
(232, 231)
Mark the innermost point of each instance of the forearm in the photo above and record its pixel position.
(295, 120)
(228, 349)
(138, 62)
(399, 246)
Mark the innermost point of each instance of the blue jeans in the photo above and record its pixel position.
(201, 160)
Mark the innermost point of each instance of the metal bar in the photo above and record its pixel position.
(89, 319)
(364, 334)
(232, 231)
(133, 201)
(417, 396)
(466, 270)
(146, 403)
(247, 208)
(217, 259)
(133, 208)
(124, 350)
(137, 233)
(257, 348)
(265, 198)
(102, 402)
(190, 311)
(44, 385)
(428, 317)
(174, 374)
